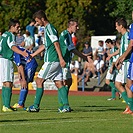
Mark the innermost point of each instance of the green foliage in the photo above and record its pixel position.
(123, 8)
(20, 9)
(95, 17)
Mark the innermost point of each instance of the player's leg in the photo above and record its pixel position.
(7, 84)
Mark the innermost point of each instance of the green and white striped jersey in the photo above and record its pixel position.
(51, 36)
(67, 45)
(6, 43)
(113, 59)
(124, 45)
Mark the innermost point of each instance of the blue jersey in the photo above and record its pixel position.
(131, 38)
(29, 67)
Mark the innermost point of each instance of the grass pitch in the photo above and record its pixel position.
(92, 114)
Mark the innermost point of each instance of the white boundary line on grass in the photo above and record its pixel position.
(49, 122)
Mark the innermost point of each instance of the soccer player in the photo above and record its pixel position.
(26, 71)
(111, 68)
(53, 63)
(121, 27)
(67, 47)
(129, 82)
(7, 46)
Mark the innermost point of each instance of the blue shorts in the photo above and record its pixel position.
(30, 70)
(130, 71)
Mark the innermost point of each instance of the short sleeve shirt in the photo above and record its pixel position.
(6, 43)
(124, 45)
(51, 36)
(66, 45)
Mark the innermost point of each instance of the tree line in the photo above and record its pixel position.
(95, 17)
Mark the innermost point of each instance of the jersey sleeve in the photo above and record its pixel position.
(52, 33)
(11, 41)
(69, 43)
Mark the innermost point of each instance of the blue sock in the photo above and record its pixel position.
(22, 96)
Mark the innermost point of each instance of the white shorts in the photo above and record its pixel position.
(110, 76)
(66, 73)
(7, 70)
(122, 73)
(51, 70)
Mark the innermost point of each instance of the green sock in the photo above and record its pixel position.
(124, 96)
(113, 93)
(64, 96)
(130, 101)
(113, 89)
(59, 97)
(7, 96)
(3, 99)
(38, 96)
(60, 100)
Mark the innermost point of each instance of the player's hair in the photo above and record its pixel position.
(40, 14)
(109, 41)
(121, 21)
(71, 22)
(13, 22)
(27, 33)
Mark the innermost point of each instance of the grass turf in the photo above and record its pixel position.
(92, 114)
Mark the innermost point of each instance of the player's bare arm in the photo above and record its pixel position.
(57, 47)
(23, 53)
(39, 50)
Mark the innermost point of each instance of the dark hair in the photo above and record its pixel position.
(121, 21)
(40, 14)
(13, 22)
(27, 33)
(100, 41)
(71, 21)
(109, 41)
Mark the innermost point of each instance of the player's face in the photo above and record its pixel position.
(107, 45)
(16, 28)
(39, 21)
(118, 27)
(74, 27)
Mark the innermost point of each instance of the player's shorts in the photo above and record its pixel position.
(66, 73)
(30, 69)
(122, 73)
(7, 70)
(110, 76)
(51, 70)
(130, 71)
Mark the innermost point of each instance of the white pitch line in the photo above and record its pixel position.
(53, 122)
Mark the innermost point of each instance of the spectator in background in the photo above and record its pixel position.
(74, 67)
(28, 42)
(19, 39)
(39, 40)
(31, 28)
(87, 51)
(99, 64)
(100, 51)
